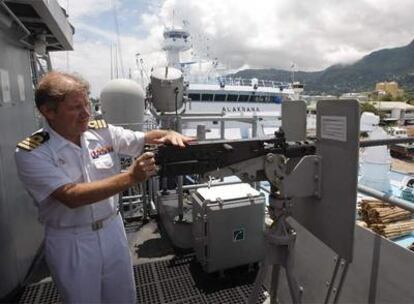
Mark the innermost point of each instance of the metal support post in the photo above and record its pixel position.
(145, 202)
(180, 198)
(280, 242)
(254, 125)
(179, 125)
(201, 132)
(222, 129)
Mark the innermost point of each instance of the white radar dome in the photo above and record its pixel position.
(123, 103)
(167, 89)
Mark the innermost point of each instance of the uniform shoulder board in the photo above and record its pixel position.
(32, 142)
(97, 124)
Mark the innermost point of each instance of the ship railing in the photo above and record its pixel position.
(386, 197)
(135, 126)
(134, 202)
(222, 118)
(393, 200)
(242, 82)
(252, 120)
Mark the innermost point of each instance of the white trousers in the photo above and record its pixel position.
(91, 266)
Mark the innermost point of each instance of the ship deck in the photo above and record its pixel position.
(164, 274)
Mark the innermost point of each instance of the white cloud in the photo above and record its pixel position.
(244, 33)
(92, 59)
(314, 34)
(89, 60)
(87, 8)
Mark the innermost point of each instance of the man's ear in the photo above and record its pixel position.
(47, 112)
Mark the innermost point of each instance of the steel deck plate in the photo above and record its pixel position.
(178, 280)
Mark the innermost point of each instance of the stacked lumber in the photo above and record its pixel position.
(393, 230)
(385, 219)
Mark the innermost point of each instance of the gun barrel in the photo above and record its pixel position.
(202, 157)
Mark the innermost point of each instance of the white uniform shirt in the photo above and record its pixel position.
(58, 162)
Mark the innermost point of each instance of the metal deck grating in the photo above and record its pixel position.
(178, 289)
(29, 295)
(172, 269)
(228, 296)
(177, 281)
(148, 294)
(41, 293)
(246, 290)
(143, 273)
(196, 300)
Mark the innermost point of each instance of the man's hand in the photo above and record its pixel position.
(143, 167)
(174, 138)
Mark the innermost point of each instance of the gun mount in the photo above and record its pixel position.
(209, 157)
(309, 183)
(314, 190)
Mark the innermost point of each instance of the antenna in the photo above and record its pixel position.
(116, 62)
(118, 39)
(112, 66)
(140, 66)
(67, 52)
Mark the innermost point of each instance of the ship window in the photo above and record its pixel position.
(243, 97)
(207, 97)
(276, 99)
(219, 97)
(260, 99)
(232, 97)
(194, 97)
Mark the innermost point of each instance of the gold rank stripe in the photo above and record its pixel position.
(98, 124)
(28, 144)
(23, 146)
(34, 141)
(31, 143)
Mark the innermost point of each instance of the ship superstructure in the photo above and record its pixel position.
(210, 91)
(29, 30)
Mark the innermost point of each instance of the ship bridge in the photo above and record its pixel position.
(176, 40)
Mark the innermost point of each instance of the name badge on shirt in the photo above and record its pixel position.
(101, 157)
(104, 162)
(98, 152)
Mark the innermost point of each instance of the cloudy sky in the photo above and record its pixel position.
(239, 33)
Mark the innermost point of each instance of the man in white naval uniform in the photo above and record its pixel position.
(71, 169)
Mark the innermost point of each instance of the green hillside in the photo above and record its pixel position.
(384, 65)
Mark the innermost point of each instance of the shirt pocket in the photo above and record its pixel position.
(104, 162)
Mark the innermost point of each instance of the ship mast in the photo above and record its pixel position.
(176, 40)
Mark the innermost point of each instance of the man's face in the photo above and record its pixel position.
(71, 117)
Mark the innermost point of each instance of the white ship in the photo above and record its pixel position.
(241, 102)
(212, 92)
